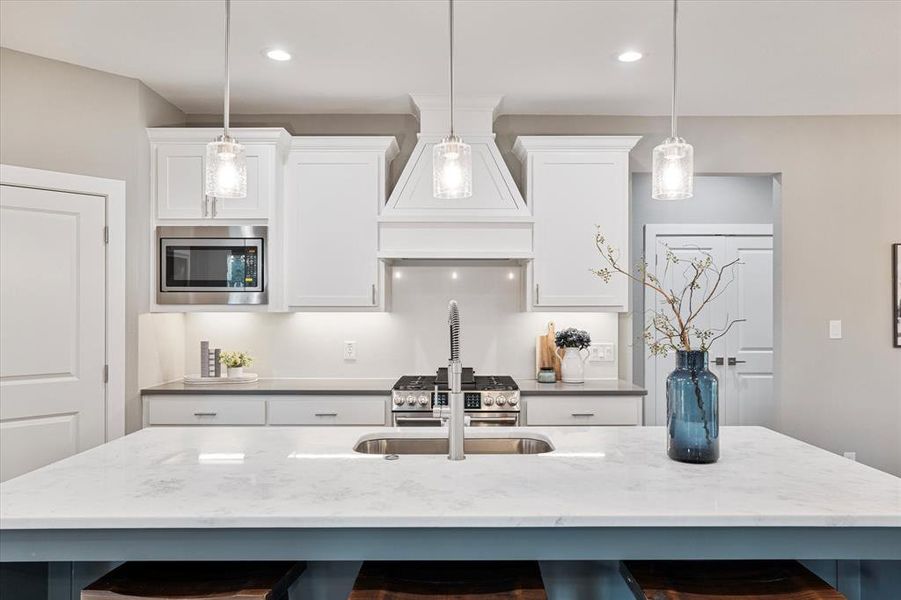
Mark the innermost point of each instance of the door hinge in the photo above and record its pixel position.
(105, 373)
(106, 234)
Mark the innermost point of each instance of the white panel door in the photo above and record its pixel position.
(673, 276)
(332, 236)
(572, 193)
(748, 377)
(52, 326)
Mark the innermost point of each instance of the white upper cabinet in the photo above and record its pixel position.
(178, 161)
(334, 191)
(573, 185)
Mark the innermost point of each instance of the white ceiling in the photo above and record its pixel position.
(737, 57)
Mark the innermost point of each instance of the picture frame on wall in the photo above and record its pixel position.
(896, 294)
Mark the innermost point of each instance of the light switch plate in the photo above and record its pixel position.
(350, 350)
(599, 353)
(835, 330)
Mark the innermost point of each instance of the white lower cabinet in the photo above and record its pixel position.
(327, 410)
(251, 409)
(205, 410)
(583, 410)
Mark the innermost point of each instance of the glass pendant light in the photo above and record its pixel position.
(673, 160)
(226, 164)
(452, 158)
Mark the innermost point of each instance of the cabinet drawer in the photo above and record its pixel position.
(206, 410)
(327, 410)
(584, 410)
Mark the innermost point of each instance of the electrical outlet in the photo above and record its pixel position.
(350, 351)
(598, 353)
(851, 456)
(835, 330)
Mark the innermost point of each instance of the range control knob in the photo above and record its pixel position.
(423, 400)
(513, 401)
(501, 400)
(398, 400)
(411, 399)
(488, 401)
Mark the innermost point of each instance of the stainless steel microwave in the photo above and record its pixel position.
(212, 265)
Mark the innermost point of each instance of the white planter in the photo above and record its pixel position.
(572, 364)
(235, 371)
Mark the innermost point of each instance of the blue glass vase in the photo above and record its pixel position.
(692, 410)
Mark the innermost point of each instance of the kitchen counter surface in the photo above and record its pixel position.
(279, 386)
(297, 477)
(596, 387)
(294, 386)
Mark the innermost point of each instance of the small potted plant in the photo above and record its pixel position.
(235, 362)
(572, 342)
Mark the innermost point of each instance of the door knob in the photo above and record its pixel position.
(733, 361)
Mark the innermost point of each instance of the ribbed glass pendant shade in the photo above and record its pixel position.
(452, 169)
(226, 169)
(673, 170)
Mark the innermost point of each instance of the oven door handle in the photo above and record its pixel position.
(493, 419)
(417, 419)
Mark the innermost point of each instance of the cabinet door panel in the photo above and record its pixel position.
(179, 181)
(332, 209)
(571, 194)
(260, 162)
(581, 410)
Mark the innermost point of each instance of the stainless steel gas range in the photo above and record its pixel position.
(488, 399)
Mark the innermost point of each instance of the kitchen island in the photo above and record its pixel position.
(603, 493)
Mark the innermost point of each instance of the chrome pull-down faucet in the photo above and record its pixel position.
(454, 413)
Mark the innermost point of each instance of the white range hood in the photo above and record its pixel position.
(494, 223)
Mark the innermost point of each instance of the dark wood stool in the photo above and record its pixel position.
(456, 580)
(725, 580)
(182, 580)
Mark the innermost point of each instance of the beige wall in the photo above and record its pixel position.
(62, 117)
(839, 213)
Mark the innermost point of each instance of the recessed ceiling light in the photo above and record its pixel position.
(629, 56)
(279, 55)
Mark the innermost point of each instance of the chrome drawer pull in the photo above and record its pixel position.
(205, 414)
(583, 414)
(327, 414)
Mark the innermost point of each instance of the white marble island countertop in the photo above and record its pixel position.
(309, 477)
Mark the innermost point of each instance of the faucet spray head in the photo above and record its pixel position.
(453, 322)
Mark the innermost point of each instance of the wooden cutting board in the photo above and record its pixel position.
(545, 351)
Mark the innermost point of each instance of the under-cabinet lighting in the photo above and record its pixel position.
(398, 275)
(278, 55)
(511, 275)
(629, 56)
(454, 275)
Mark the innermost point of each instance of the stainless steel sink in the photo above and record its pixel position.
(479, 445)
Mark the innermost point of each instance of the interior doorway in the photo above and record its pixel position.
(729, 215)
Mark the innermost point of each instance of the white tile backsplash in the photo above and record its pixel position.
(498, 335)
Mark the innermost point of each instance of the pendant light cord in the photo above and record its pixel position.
(451, 3)
(675, 18)
(228, 19)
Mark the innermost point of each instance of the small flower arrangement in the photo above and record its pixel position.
(572, 338)
(235, 359)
